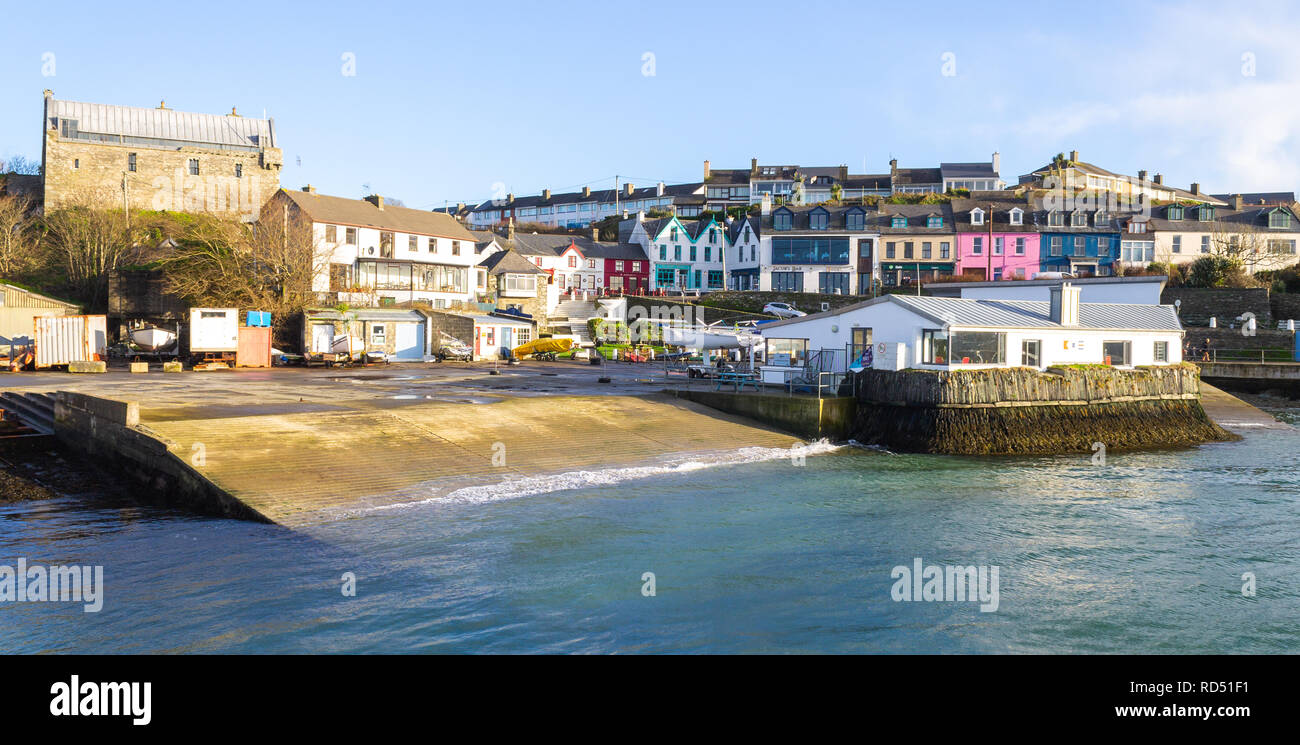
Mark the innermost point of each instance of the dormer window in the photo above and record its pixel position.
(1017, 216)
(1056, 218)
(1205, 213)
(934, 221)
(1137, 226)
(977, 216)
(819, 219)
(1099, 219)
(857, 219)
(1175, 212)
(672, 236)
(1078, 219)
(898, 221)
(1279, 219)
(782, 220)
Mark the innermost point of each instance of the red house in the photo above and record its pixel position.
(627, 269)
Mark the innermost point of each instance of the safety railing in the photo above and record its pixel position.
(1266, 354)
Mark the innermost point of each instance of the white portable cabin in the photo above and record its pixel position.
(214, 330)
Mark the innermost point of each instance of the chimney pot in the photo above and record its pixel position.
(595, 233)
(659, 189)
(1237, 201)
(1142, 175)
(1158, 178)
(309, 189)
(546, 195)
(1196, 188)
(586, 191)
(753, 166)
(627, 188)
(510, 198)
(996, 162)
(706, 170)
(1064, 305)
(1074, 156)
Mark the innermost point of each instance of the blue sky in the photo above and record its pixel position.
(450, 102)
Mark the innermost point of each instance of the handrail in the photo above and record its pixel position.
(1242, 354)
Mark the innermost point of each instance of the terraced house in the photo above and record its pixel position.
(1074, 175)
(373, 253)
(744, 262)
(997, 238)
(917, 243)
(579, 209)
(1262, 235)
(684, 256)
(825, 248)
(1084, 241)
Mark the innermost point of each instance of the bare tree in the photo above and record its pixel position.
(1243, 244)
(17, 244)
(89, 243)
(20, 165)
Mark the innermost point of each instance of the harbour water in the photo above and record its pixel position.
(749, 553)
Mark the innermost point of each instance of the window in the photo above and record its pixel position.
(787, 352)
(833, 283)
(1030, 352)
(672, 234)
(997, 246)
(1175, 212)
(1056, 218)
(573, 262)
(130, 162)
(1103, 247)
(715, 279)
(636, 266)
(239, 170)
(1205, 213)
(1160, 353)
(1017, 216)
(1281, 247)
(433, 245)
(1279, 219)
(889, 250)
(977, 216)
(926, 250)
(194, 166)
(1178, 244)
(1020, 247)
(692, 253)
(898, 221)
(663, 253)
(782, 220)
(351, 236)
(455, 248)
(1078, 219)
(1137, 226)
(413, 243)
(708, 253)
(1056, 246)
(819, 250)
(934, 347)
(378, 333)
(787, 281)
(618, 266)
(864, 249)
(386, 244)
(934, 221)
(1115, 352)
(695, 276)
(1205, 244)
(1080, 246)
(677, 253)
(857, 220)
(944, 251)
(907, 250)
(76, 163)
(819, 219)
(591, 263)
(521, 283)
(977, 348)
(977, 247)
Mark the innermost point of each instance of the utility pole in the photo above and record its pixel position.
(126, 201)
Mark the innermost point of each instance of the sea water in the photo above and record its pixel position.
(1181, 551)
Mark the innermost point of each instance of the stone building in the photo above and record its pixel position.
(160, 159)
(514, 280)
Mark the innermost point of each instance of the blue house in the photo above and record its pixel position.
(1082, 242)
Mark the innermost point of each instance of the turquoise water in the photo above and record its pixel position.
(1143, 554)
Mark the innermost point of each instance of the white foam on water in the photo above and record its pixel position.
(525, 486)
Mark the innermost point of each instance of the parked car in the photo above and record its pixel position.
(783, 310)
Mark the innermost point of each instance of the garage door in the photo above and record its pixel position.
(409, 341)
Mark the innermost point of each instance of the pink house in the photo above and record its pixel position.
(996, 239)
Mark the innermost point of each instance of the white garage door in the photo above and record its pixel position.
(409, 341)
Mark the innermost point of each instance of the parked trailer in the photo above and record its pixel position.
(62, 340)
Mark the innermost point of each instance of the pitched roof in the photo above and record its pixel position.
(1260, 197)
(226, 130)
(363, 213)
(501, 262)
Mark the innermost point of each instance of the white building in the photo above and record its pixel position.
(370, 252)
(1142, 289)
(826, 248)
(934, 333)
(744, 262)
(684, 256)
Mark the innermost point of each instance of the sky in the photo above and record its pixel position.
(435, 103)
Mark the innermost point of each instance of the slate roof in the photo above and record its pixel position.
(1089, 168)
(968, 170)
(1001, 219)
(359, 212)
(918, 176)
(1260, 198)
(802, 215)
(1245, 218)
(501, 262)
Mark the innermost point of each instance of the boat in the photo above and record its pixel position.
(708, 337)
(152, 338)
(542, 346)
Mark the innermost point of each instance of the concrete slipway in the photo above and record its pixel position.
(301, 446)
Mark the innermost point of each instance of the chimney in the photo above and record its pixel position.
(510, 198)
(510, 229)
(844, 173)
(753, 166)
(640, 215)
(767, 203)
(893, 167)
(546, 195)
(233, 112)
(376, 200)
(1159, 179)
(1065, 304)
(460, 207)
(309, 189)
(162, 104)
(996, 162)
(586, 191)
(1074, 156)
(1196, 189)
(659, 190)
(595, 233)
(1237, 201)
(1142, 175)
(706, 170)
(627, 189)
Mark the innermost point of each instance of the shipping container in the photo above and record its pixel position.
(62, 340)
(254, 347)
(214, 330)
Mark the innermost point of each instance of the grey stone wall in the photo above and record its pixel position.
(1226, 304)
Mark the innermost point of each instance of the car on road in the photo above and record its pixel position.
(783, 310)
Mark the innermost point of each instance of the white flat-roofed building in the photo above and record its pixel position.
(937, 333)
(1141, 290)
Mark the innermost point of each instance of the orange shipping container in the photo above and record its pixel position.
(254, 347)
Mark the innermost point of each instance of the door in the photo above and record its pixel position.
(409, 341)
(322, 338)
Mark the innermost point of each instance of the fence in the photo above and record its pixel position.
(1266, 354)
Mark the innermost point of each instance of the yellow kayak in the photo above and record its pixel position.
(542, 345)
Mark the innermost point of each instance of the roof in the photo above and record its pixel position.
(918, 176)
(363, 213)
(1096, 170)
(1224, 218)
(838, 216)
(968, 170)
(1015, 314)
(364, 314)
(509, 261)
(941, 288)
(1257, 198)
(486, 319)
(1001, 215)
(166, 124)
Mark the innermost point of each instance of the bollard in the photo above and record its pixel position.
(139, 367)
(88, 366)
(172, 367)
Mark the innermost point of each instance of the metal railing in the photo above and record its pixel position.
(1265, 354)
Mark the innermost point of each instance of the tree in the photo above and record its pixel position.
(1212, 271)
(20, 165)
(17, 244)
(1245, 245)
(89, 243)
